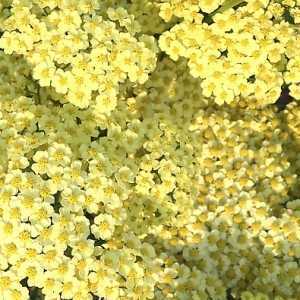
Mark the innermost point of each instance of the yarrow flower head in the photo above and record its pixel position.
(66, 48)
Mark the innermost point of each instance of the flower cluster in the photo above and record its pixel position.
(78, 53)
(121, 175)
(249, 53)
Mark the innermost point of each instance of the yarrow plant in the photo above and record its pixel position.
(142, 153)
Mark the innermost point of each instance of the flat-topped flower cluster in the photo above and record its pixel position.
(141, 155)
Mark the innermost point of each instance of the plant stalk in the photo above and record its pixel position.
(227, 5)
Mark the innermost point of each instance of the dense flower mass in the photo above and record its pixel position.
(251, 51)
(77, 52)
(141, 153)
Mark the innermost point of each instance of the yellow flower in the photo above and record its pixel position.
(105, 103)
(7, 42)
(33, 270)
(69, 20)
(208, 6)
(41, 164)
(223, 95)
(166, 11)
(44, 72)
(17, 293)
(176, 50)
(60, 81)
(103, 227)
(72, 198)
(69, 288)
(59, 154)
(295, 91)
(79, 96)
(51, 286)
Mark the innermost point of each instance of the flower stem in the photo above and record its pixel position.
(227, 5)
(295, 26)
